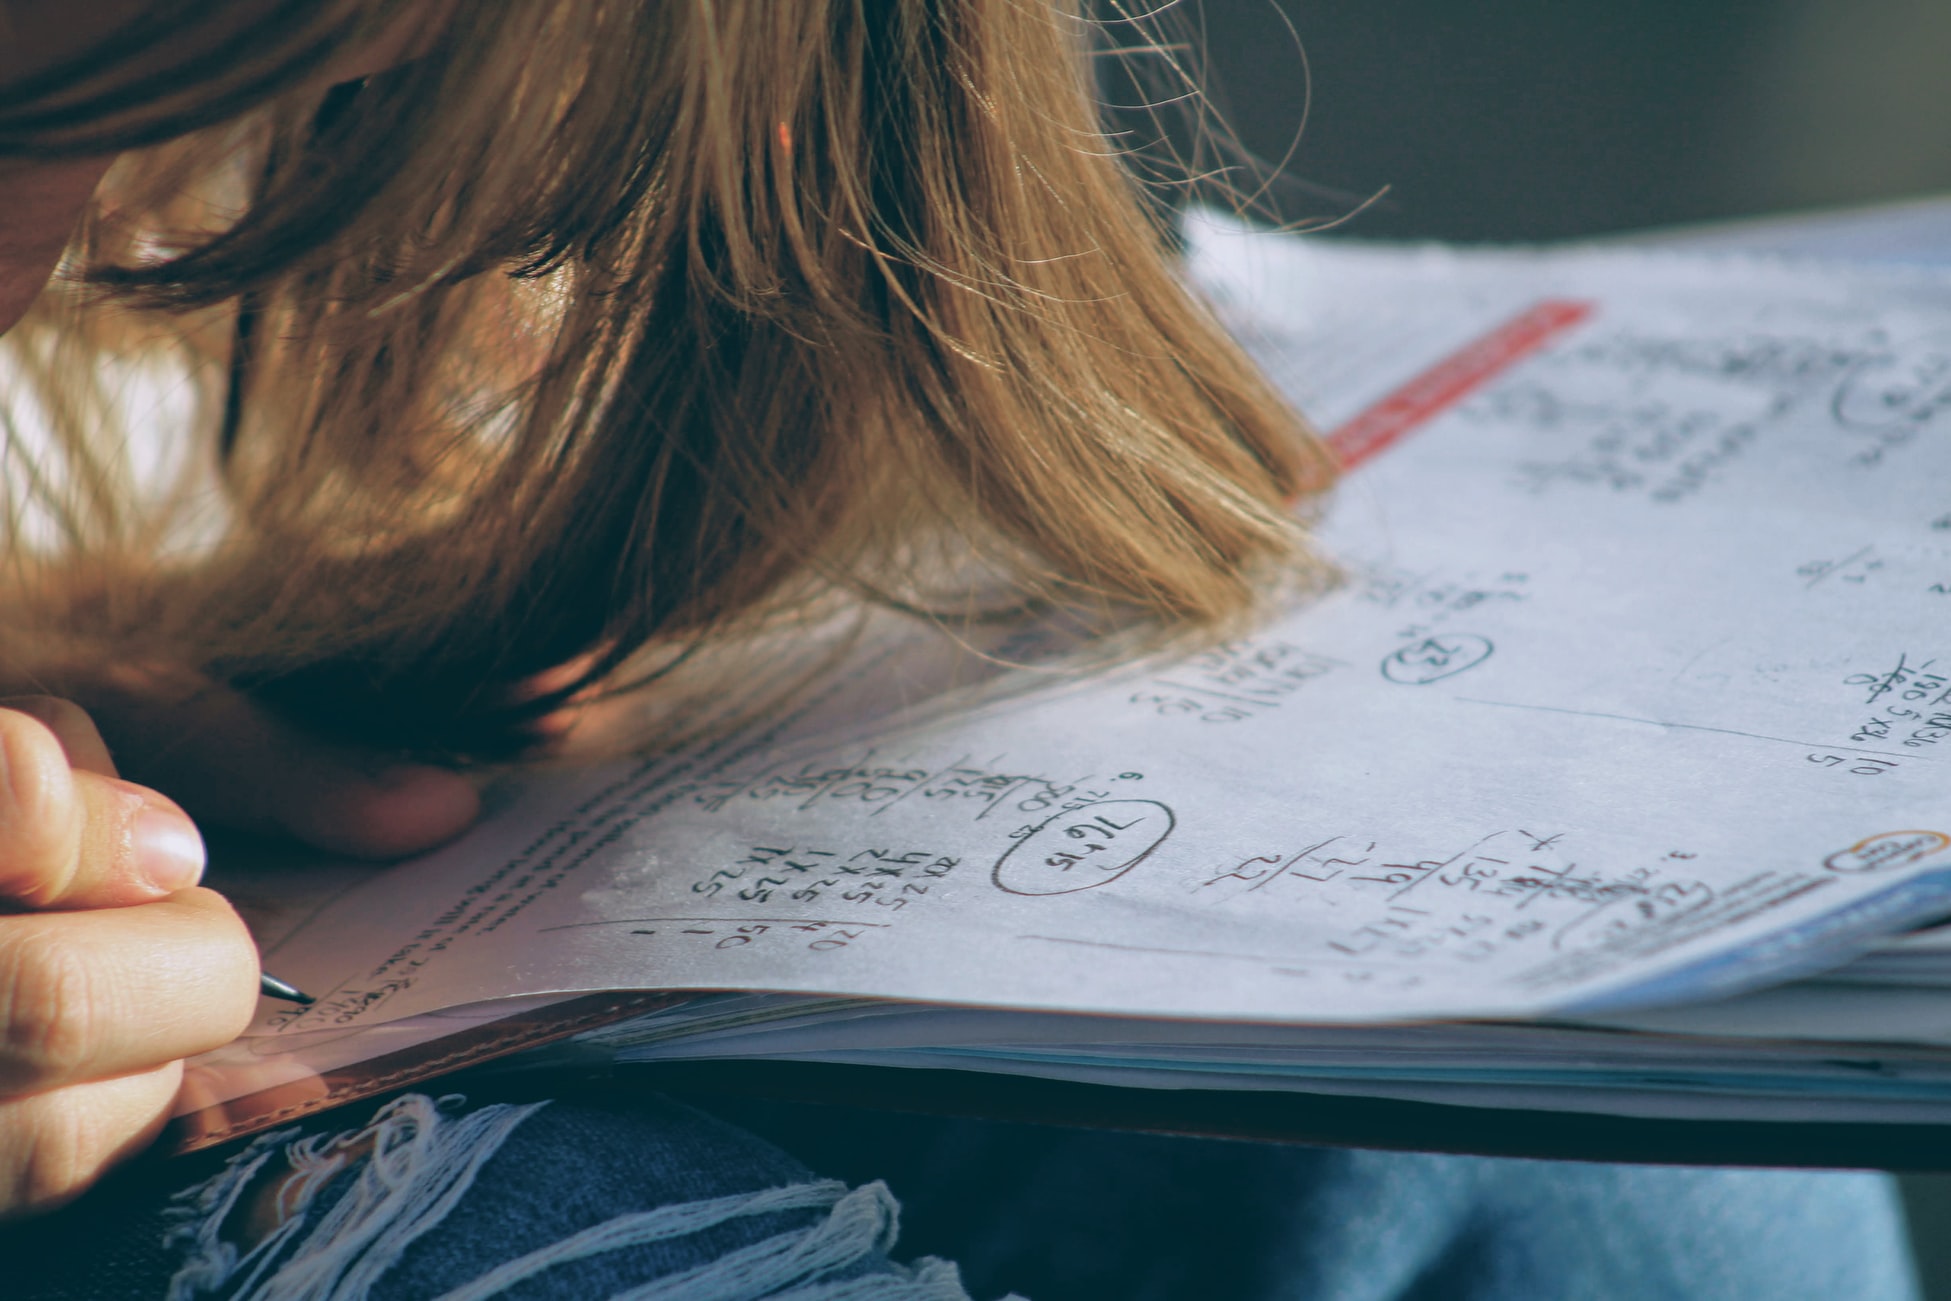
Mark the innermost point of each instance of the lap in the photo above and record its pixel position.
(1080, 1213)
(586, 1197)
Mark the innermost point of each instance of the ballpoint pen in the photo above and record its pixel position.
(271, 987)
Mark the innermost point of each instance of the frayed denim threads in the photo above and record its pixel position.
(420, 1165)
(339, 1211)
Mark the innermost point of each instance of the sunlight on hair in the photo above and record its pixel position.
(603, 331)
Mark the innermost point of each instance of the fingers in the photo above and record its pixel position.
(89, 995)
(72, 837)
(53, 1145)
(112, 966)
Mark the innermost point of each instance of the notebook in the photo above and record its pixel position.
(1631, 693)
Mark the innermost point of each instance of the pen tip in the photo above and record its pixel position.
(271, 987)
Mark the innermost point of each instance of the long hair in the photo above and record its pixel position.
(597, 332)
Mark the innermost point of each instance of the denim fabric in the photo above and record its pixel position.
(433, 1199)
(426, 1198)
(1062, 1214)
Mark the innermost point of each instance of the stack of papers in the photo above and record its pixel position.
(1922, 958)
(1600, 782)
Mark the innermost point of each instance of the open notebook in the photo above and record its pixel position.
(1635, 693)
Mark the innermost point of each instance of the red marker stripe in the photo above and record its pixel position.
(1452, 379)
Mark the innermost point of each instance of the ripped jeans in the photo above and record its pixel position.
(428, 1197)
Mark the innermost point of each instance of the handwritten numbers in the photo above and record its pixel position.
(1232, 682)
(1911, 683)
(886, 878)
(1434, 658)
(822, 935)
(1080, 849)
(1858, 765)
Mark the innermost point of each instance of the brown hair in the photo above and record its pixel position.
(603, 329)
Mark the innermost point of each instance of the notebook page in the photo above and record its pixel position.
(1638, 689)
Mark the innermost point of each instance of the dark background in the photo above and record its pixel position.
(1545, 119)
(1517, 120)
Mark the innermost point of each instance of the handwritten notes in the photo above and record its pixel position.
(1637, 688)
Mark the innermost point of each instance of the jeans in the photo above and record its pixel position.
(429, 1197)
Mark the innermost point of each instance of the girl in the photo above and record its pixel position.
(499, 356)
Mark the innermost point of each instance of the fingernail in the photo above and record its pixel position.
(169, 852)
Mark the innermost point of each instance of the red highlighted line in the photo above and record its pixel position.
(1452, 379)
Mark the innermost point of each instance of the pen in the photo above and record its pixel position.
(271, 987)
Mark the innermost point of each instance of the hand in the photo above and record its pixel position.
(113, 965)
